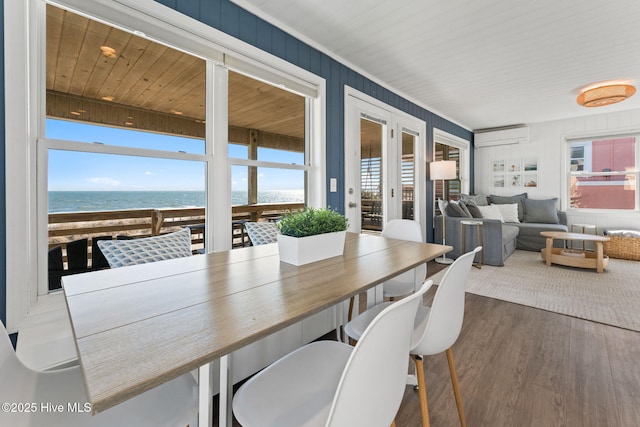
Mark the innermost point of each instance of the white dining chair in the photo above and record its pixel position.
(329, 383)
(436, 328)
(262, 233)
(58, 398)
(409, 281)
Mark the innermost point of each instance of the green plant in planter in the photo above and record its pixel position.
(310, 222)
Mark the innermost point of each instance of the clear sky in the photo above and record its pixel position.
(76, 171)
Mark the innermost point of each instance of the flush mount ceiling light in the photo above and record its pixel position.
(605, 95)
(107, 51)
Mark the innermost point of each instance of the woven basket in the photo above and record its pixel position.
(623, 247)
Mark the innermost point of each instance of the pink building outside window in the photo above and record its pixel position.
(603, 174)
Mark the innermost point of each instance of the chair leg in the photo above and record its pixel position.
(422, 390)
(456, 388)
(351, 304)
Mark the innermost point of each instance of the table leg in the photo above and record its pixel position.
(599, 257)
(205, 380)
(375, 296)
(225, 418)
(480, 243)
(548, 251)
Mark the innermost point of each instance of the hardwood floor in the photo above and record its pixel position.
(521, 366)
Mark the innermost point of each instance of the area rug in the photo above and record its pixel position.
(612, 297)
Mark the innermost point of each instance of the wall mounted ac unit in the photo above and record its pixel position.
(502, 136)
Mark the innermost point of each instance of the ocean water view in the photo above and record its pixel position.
(91, 201)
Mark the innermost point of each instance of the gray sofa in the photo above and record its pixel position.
(500, 239)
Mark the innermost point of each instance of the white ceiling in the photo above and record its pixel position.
(480, 63)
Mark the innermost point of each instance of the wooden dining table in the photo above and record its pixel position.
(137, 327)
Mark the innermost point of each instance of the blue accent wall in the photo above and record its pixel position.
(3, 199)
(235, 21)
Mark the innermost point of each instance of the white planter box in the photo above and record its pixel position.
(303, 250)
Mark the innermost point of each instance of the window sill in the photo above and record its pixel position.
(45, 338)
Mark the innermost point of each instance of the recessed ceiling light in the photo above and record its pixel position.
(109, 52)
(607, 94)
(179, 113)
(75, 113)
(108, 98)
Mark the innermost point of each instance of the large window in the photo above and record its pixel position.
(126, 131)
(118, 98)
(124, 140)
(267, 149)
(448, 189)
(603, 173)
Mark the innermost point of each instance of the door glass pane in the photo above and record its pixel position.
(408, 175)
(371, 173)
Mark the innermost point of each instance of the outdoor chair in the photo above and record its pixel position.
(262, 233)
(77, 259)
(121, 253)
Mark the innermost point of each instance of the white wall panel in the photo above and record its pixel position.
(547, 143)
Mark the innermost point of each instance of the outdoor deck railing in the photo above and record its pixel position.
(72, 226)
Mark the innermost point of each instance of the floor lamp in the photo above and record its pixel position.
(443, 170)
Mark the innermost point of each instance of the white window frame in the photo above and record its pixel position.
(25, 101)
(356, 103)
(587, 154)
(446, 138)
(586, 139)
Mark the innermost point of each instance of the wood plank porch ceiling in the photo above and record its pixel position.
(149, 86)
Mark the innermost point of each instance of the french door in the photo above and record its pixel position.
(383, 173)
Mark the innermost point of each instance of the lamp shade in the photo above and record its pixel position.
(443, 169)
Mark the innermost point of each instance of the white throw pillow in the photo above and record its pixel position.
(508, 211)
(491, 212)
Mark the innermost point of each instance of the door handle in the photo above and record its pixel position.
(353, 204)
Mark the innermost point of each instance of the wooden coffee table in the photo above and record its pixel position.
(571, 257)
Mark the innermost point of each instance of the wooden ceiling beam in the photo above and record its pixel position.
(80, 109)
(76, 108)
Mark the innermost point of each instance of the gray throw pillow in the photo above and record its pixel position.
(452, 209)
(473, 209)
(541, 211)
(508, 200)
(464, 208)
(120, 253)
(480, 199)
